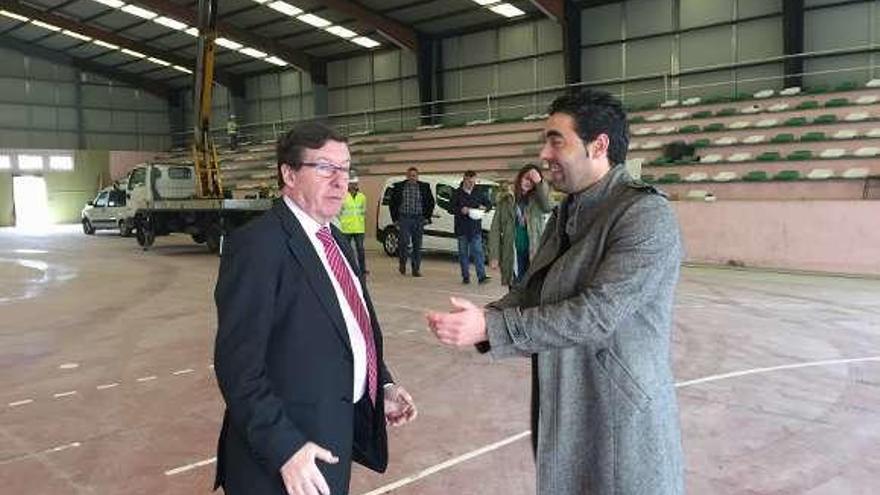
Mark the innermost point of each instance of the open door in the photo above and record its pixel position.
(31, 202)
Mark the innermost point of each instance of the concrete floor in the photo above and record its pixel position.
(106, 386)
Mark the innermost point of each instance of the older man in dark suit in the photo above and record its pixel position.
(298, 354)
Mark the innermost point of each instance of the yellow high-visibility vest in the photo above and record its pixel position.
(352, 216)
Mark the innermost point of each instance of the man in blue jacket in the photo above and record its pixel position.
(468, 205)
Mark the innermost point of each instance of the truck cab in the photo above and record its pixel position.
(155, 182)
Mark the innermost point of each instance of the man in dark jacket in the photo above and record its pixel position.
(468, 205)
(298, 354)
(412, 205)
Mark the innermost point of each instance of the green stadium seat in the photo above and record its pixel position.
(799, 155)
(669, 178)
(807, 105)
(636, 119)
(817, 90)
(769, 156)
(701, 143)
(813, 136)
(782, 138)
(714, 100)
(828, 118)
(713, 127)
(836, 103)
(846, 86)
(795, 122)
(689, 129)
(702, 114)
(725, 112)
(787, 175)
(755, 176)
(649, 178)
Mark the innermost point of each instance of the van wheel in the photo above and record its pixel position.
(213, 238)
(88, 228)
(146, 235)
(124, 229)
(391, 241)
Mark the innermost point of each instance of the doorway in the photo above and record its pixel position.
(31, 202)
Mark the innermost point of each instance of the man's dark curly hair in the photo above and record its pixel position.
(596, 112)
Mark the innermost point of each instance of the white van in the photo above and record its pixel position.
(109, 210)
(439, 235)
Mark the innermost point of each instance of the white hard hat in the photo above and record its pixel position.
(353, 180)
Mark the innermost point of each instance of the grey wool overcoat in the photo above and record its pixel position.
(598, 314)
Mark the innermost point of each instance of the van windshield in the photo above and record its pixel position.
(487, 191)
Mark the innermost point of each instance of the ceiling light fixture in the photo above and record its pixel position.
(276, 61)
(253, 52)
(12, 15)
(172, 23)
(507, 10)
(111, 3)
(365, 42)
(105, 44)
(313, 20)
(140, 12)
(285, 8)
(46, 25)
(74, 34)
(133, 53)
(341, 32)
(225, 43)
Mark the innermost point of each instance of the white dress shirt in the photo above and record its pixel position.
(358, 346)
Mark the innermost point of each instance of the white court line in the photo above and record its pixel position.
(147, 378)
(447, 464)
(755, 371)
(497, 445)
(59, 448)
(65, 394)
(182, 469)
(62, 447)
(68, 366)
(20, 402)
(183, 372)
(107, 385)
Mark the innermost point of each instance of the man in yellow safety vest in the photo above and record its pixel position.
(352, 220)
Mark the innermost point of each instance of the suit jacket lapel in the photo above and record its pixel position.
(301, 247)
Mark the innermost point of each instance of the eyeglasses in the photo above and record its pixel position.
(328, 169)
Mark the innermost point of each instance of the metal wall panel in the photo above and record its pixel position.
(516, 41)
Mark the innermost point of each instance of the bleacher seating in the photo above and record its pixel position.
(812, 139)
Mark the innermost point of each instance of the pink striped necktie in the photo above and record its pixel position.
(343, 277)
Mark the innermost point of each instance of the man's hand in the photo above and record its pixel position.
(493, 264)
(535, 176)
(465, 210)
(465, 325)
(399, 406)
(300, 473)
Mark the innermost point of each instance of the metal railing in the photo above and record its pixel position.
(498, 106)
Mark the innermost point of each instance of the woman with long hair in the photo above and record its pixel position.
(518, 224)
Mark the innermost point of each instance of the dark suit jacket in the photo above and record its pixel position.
(284, 363)
(397, 200)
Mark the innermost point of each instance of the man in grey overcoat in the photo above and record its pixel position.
(596, 308)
